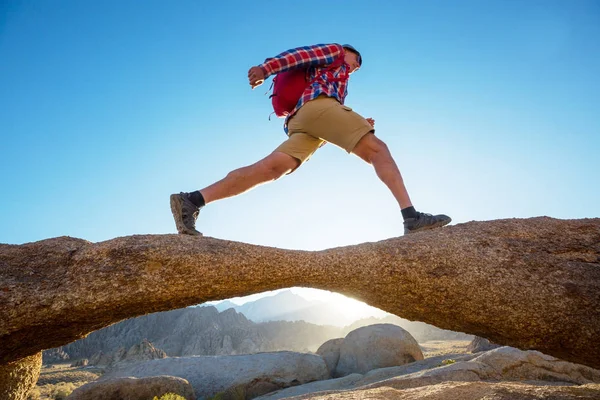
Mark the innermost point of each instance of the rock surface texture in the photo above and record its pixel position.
(18, 377)
(528, 283)
(376, 346)
(330, 351)
(134, 389)
(244, 376)
(143, 351)
(468, 391)
(501, 364)
(479, 344)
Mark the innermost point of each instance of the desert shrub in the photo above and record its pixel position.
(448, 361)
(73, 376)
(234, 393)
(169, 396)
(34, 394)
(62, 390)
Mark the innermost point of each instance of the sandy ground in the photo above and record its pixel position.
(434, 348)
(62, 378)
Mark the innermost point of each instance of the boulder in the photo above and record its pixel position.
(80, 363)
(343, 383)
(513, 364)
(247, 375)
(330, 351)
(501, 364)
(467, 391)
(479, 344)
(128, 388)
(376, 346)
(17, 378)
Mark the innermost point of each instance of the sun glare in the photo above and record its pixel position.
(350, 308)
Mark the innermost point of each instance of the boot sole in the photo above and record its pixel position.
(428, 227)
(176, 210)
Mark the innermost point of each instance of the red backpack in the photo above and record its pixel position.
(288, 87)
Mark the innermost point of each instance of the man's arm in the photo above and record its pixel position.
(308, 56)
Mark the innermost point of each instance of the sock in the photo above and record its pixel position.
(409, 212)
(197, 198)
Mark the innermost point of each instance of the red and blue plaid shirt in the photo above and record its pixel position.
(316, 58)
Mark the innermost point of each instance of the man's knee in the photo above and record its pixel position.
(369, 147)
(277, 164)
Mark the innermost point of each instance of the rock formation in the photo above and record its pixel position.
(200, 331)
(249, 375)
(18, 377)
(370, 347)
(528, 283)
(500, 364)
(143, 351)
(330, 351)
(134, 389)
(466, 391)
(84, 362)
(479, 344)
(55, 356)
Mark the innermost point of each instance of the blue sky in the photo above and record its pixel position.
(491, 109)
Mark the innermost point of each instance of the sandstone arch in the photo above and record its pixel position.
(528, 283)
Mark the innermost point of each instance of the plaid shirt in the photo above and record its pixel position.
(316, 58)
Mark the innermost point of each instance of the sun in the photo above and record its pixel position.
(350, 308)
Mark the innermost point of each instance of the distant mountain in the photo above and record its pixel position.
(225, 305)
(206, 331)
(200, 331)
(288, 306)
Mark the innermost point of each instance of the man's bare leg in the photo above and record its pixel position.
(186, 206)
(375, 152)
(270, 168)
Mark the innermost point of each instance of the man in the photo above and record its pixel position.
(320, 116)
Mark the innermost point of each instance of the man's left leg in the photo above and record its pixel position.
(340, 125)
(375, 152)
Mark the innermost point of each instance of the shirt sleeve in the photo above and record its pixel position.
(307, 56)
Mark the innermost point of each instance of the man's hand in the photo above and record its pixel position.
(371, 121)
(256, 76)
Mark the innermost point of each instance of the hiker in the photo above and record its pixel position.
(318, 115)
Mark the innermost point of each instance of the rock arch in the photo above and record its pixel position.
(528, 283)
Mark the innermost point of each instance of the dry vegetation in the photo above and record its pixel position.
(435, 348)
(59, 380)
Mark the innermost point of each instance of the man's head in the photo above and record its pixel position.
(352, 57)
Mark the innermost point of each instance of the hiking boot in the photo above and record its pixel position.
(424, 222)
(185, 213)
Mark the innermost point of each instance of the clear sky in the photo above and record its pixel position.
(491, 109)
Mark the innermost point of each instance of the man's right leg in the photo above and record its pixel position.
(270, 168)
(186, 206)
(286, 158)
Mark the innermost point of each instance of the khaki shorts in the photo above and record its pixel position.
(322, 120)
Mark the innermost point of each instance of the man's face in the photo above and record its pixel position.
(352, 60)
